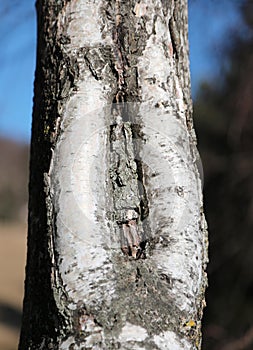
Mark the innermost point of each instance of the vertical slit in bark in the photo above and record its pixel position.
(129, 195)
(174, 37)
(126, 173)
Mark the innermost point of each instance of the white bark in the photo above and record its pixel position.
(154, 298)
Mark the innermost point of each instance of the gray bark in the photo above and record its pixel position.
(117, 241)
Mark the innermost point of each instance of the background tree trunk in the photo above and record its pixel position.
(117, 243)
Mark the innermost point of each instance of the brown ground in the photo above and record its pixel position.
(12, 268)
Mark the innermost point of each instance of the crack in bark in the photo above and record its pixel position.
(91, 68)
(121, 63)
(129, 196)
(174, 37)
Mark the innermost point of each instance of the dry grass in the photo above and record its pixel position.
(12, 270)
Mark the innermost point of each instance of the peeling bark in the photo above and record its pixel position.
(117, 242)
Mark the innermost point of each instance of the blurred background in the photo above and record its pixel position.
(221, 59)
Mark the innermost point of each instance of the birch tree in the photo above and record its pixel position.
(117, 241)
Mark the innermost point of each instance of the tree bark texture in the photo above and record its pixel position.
(117, 242)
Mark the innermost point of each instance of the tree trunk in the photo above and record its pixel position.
(117, 242)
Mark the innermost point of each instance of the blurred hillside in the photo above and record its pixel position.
(13, 180)
(12, 273)
(13, 216)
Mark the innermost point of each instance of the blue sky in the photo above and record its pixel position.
(211, 24)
